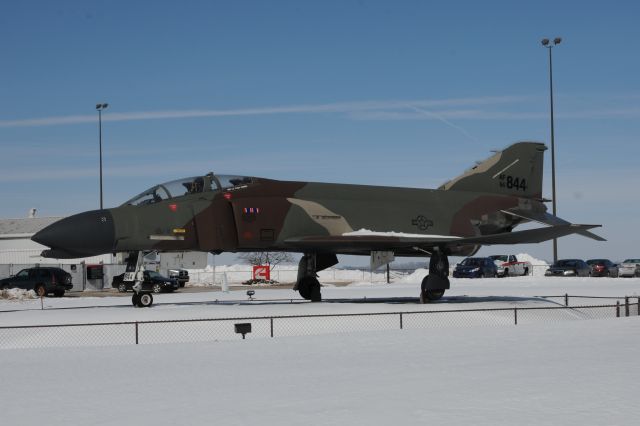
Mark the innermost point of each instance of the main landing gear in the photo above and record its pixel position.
(307, 284)
(135, 272)
(434, 285)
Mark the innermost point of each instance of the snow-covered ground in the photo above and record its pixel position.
(474, 371)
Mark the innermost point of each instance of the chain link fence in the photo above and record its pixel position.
(289, 274)
(216, 329)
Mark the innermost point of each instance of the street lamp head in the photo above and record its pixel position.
(101, 106)
(557, 40)
(545, 41)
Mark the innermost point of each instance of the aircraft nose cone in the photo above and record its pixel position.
(85, 234)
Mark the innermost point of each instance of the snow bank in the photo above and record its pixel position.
(17, 294)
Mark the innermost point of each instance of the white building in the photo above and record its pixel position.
(18, 251)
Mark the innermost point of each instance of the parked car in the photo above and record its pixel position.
(180, 275)
(629, 268)
(153, 281)
(509, 265)
(569, 268)
(603, 268)
(43, 280)
(475, 267)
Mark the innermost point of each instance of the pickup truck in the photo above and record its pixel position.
(508, 265)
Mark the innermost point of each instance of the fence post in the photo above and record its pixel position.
(400, 320)
(638, 306)
(617, 309)
(515, 315)
(136, 332)
(566, 299)
(271, 321)
(626, 306)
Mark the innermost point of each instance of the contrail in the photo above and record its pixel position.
(445, 121)
(338, 107)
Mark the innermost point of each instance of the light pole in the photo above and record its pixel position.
(549, 45)
(100, 107)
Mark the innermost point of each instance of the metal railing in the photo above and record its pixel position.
(215, 329)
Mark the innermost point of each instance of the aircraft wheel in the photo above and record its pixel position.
(309, 288)
(145, 300)
(427, 296)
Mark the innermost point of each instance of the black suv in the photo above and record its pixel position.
(43, 280)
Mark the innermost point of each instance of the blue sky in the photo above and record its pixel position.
(406, 93)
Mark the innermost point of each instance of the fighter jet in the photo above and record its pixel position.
(221, 213)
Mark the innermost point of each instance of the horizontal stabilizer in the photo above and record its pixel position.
(549, 219)
(526, 237)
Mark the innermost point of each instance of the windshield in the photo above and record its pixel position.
(175, 188)
(190, 185)
(563, 263)
(500, 258)
(472, 261)
(596, 261)
(153, 274)
(632, 261)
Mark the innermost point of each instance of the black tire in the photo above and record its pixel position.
(430, 295)
(309, 288)
(481, 275)
(135, 299)
(156, 288)
(145, 300)
(41, 290)
(506, 273)
(181, 285)
(526, 272)
(122, 288)
(58, 293)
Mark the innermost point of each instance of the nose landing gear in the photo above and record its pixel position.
(135, 273)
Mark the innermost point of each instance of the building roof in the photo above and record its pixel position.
(25, 226)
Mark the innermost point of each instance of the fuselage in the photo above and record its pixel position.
(262, 214)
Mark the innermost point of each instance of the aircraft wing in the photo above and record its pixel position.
(391, 240)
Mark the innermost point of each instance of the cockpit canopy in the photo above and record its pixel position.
(190, 185)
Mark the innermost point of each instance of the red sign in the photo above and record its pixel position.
(262, 272)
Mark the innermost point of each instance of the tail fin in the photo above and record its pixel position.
(516, 170)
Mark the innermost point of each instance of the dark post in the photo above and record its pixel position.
(388, 280)
(566, 299)
(271, 326)
(136, 332)
(626, 306)
(400, 320)
(515, 315)
(549, 46)
(100, 107)
(617, 309)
